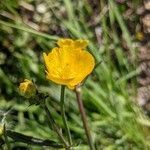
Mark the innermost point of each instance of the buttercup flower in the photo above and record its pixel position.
(27, 88)
(69, 63)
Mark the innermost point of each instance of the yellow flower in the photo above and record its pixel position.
(69, 63)
(139, 36)
(27, 88)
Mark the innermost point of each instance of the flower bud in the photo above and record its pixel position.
(27, 88)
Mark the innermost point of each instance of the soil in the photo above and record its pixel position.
(144, 59)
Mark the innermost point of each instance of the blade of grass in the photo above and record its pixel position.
(26, 29)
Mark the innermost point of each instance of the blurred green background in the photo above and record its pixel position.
(30, 27)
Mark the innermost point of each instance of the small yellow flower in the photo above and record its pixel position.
(27, 88)
(69, 63)
(139, 36)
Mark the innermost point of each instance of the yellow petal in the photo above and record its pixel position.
(58, 80)
(71, 87)
(84, 65)
(52, 61)
(81, 43)
(63, 42)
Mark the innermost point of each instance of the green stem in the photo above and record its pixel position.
(62, 96)
(55, 127)
(84, 118)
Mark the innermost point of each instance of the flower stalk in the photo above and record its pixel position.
(84, 118)
(55, 127)
(62, 97)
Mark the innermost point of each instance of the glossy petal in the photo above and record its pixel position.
(81, 43)
(63, 42)
(69, 63)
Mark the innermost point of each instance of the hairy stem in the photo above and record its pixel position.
(54, 125)
(84, 118)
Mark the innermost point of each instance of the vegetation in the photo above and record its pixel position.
(30, 27)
